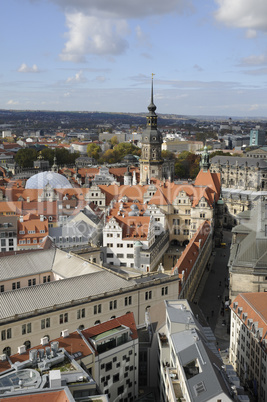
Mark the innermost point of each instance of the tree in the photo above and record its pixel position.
(125, 148)
(187, 165)
(114, 140)
(93, 151)
(167, 155)
(110, 156)
(25, 157)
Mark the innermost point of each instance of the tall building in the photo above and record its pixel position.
(248, 341)
(257, 137)
(151, 160)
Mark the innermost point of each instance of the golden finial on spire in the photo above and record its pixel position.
(152, 75)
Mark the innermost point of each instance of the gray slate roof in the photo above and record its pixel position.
(18, 265)
(47, 295)
(241, 160)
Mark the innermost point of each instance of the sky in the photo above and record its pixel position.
(209, 57)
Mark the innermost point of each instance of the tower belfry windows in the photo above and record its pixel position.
(151, 160)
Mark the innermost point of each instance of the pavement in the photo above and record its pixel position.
(212, 294)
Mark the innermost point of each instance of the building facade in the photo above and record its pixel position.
(248, 341)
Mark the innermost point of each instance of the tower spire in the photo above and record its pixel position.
(152, 108)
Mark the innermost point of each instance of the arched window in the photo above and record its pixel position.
(112, 318)
(81, 327)
(97, 322)
(27, 344)
(147, 308)
(7, 351)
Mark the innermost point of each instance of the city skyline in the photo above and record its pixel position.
(208, 59)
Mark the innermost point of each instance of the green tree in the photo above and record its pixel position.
(114, 140)
(25, 157)
(187, 165)
(125, 148)
(110, 156)
(93, 151)
(167, 155)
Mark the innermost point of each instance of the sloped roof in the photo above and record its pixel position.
(255, 305)
(19, 265)
(46, 295)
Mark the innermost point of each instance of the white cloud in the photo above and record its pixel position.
(251, 33)
(254, 60)
(12, 102)
(248, 14)
(26, 69)
(78, 77)
(93, 35)
(253, 107)
(100, 27)
(142, 38)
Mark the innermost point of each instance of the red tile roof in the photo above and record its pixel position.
(190, 254)
(255, 307)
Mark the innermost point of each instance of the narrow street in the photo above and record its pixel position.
(213, 292)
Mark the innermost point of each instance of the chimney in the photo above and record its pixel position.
(28, 199)
(21, 218)
(41, 218)
(200, 243)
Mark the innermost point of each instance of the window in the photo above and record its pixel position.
(119, 255)
(202, 215)
(130, 256)
(120, 390)
(128, 301)
(164, 291)
(148, 295)
(2, 288)
(27, 344)
(7, 351)
(9, 333)
(80, 313)
(63, 318)
(26, 329)
(97, 309)
(129, 245)
(116, 377)
(109, 255)
(45, 323)
(187, 221)
(109, 366)
(110, 245)
(119, 245)
(186, 232)
(113, 304)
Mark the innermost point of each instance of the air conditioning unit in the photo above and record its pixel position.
(3, 357)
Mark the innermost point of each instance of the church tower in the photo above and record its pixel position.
(151, 160)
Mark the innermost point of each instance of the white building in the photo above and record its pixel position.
(190, 367)
(248, 341)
